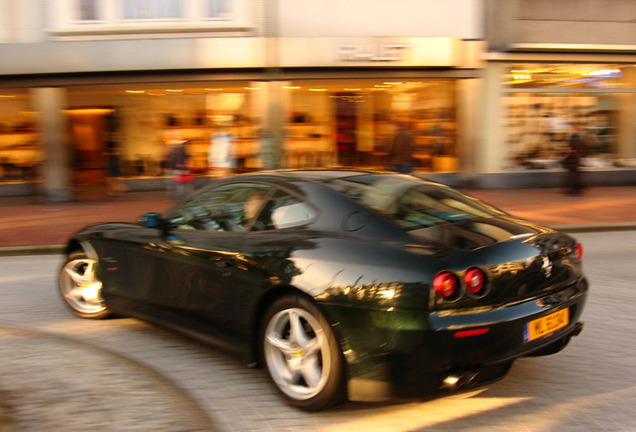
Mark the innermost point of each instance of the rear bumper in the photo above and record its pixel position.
(393, 354)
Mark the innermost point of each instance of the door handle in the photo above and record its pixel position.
(225, 262)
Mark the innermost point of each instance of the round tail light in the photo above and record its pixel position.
(578, 249)
(445, 284)
(475, 280)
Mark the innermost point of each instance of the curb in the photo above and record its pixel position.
(584, 228)
(53, 249)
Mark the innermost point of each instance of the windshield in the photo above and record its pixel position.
(410, 202)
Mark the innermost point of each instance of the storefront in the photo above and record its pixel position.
(544, 104)
(342, 112)
(329, 122)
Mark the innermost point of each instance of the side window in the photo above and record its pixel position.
(225, 208)
(284, 211)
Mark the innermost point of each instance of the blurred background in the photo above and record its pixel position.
(489, 90)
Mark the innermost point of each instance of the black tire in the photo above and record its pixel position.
(80, 288)
(301, 354)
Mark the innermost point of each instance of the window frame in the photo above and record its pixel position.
(122, 10)
(66, 22)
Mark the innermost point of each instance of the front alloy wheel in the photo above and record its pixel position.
(301, 354)
(80, 287)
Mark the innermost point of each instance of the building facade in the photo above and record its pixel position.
(553, 68)
(307, 84)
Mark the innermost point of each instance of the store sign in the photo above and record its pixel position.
(386, 52)
(365, 51)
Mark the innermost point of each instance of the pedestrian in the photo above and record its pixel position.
(115, 184)
(401, 153)
(179, 180)
(572, 162)
(269, 157)
(222, 152)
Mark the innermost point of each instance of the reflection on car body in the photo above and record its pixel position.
(341, 284)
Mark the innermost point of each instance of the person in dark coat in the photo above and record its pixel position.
(401, 152)
(115, 184)
(177, 166)
(572, 163)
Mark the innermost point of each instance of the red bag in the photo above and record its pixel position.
(184, 178)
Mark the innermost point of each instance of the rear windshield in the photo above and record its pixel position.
(410, 202)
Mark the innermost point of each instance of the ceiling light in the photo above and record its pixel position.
(89, 110)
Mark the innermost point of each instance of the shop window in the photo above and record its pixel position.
(20, 147)
(354, 123)
(152, 116)
(540, 127)
(546, 104)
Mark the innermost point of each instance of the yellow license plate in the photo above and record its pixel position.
(546, 325)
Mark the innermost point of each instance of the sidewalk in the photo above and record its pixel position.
(27, 226)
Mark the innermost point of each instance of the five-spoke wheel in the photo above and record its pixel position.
(80, 287)
(301, 354)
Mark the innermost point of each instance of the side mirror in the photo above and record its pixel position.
(151, 220)
(292, 215)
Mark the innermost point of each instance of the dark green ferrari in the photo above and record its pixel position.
(341, 284)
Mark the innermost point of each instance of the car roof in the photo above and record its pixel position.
(325, 175)
(320, 175)
(313, 175)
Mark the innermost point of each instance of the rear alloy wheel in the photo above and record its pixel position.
(80, 287)
(301, 354)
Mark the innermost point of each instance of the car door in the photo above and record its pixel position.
(275, 246)
(201, 266)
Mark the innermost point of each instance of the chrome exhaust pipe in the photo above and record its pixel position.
(578, 328)
(451, 382)
(456, 381)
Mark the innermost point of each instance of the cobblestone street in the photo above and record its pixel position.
(63, 373)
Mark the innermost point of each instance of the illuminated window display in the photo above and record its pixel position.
(20, 148)
(352, 123)
(327, 123)
(149, 117)
(544, 104)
